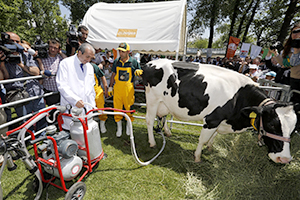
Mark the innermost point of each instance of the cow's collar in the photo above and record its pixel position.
(266, 102)
(261, 130)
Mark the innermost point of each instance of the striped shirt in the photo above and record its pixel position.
(51, 64)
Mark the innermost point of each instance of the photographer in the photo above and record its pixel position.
(22, 68)
(50, 65)
(294, 42)
(76, 38)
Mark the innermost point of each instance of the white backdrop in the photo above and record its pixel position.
(144, 26)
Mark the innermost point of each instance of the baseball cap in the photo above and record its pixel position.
(124, 46)
(271, 73)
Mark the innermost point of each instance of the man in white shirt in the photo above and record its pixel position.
(75, 80)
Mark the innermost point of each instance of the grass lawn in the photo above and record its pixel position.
(237, 168)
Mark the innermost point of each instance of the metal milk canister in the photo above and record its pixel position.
(93, 135)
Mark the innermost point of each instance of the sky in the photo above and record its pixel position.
(64, 11)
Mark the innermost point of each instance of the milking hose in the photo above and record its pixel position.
(132, 144)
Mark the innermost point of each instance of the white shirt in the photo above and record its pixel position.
(75, 84)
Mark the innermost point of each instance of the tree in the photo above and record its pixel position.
(243, 18)
(10, 17)
(250, 20)
(289, 15)
(28, 18)
(78, 8)
(198, 43)
(205, 13)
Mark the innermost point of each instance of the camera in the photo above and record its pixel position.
(9, 48)
(277, 45)
(295, 43)
(73, 35)
(41, 47)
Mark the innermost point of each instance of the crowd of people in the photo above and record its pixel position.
(79, 77)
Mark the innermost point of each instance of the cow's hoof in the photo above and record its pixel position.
(197, 160)
(169, 135)
(153, 147)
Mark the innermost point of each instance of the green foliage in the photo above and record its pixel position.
(202, 11)
(29, 18)
(198, 43)
(265, 27)
(78, 8)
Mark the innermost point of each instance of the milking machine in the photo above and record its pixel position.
(61, 154)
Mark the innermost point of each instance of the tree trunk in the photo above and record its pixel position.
(250, 20)
(236, 5)
(289, 15)
(211, 32)
(212, 23)
(234, 16)
(238, 33)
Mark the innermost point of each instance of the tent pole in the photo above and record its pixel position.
(176, 56)
(185, 46)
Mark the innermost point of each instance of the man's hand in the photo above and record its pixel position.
(138, 72)
(105, 92)
(2, 56)
(110, 91)
(79, 104)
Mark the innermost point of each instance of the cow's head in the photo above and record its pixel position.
(275, 123)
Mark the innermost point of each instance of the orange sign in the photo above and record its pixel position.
(127, 33)
(232, 46)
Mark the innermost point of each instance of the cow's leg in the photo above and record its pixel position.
(166, 129)
(211, 140)
(205, 136)
(150, 117)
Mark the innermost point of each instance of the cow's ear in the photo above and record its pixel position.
(250, 110)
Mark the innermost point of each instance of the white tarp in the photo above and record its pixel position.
(144, 26)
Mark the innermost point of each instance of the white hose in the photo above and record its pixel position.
(54, 117)
(133, 150)
(39, 177)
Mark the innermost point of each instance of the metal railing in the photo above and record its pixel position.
(277, 91)
(11, 104)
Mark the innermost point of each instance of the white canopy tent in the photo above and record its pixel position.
(152, 26)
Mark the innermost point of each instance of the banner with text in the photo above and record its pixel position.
(245, 50)
(232, 46)
(255, 51)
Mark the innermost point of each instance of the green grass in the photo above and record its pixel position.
(237, 168)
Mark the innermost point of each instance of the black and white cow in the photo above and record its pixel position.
(222, 98)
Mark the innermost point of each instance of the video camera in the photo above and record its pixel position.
(73, 35)
(41, 47)
(277, 45)
(9, 47)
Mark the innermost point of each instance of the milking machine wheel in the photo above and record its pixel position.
(35, 185)
(76, 192)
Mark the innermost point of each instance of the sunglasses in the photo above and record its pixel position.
(296, 31)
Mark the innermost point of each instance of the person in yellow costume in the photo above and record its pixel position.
(99, 99)
(121, 84)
